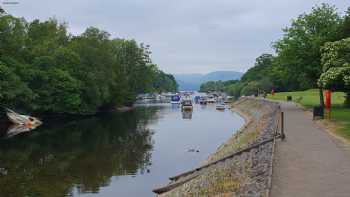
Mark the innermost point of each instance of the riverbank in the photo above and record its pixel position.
(242, 166)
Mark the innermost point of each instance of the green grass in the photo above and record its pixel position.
(341, 115)
(310, 98)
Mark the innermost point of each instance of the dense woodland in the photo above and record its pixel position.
(314, 52)
(44, 68)
(216, 85)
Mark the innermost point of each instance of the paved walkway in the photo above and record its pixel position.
(310, 162)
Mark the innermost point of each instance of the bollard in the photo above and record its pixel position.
(283, 136)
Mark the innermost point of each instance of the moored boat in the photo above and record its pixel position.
(211, 99)
(220, 107)
(186, 104)
(175, 99)
(202, 101)
(24, 120)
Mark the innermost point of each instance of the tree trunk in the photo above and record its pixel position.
(347, 99)
(321, 98)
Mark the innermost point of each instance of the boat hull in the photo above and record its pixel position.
(202, 102)
(19, 119)
(187, 107)
(220, 108)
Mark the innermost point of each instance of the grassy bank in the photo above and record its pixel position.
(310, 98)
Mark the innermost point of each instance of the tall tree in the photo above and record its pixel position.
(44, 68)
(261, 69)
(345, 29)
(336, 67)
(299, 49)
(12, 36)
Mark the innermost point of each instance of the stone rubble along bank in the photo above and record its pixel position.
(247, 174)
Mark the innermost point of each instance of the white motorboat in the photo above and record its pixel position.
(211, 99)
(175, 99)
(220, 107)
(19, 119)
(202, 101)
(186, 104)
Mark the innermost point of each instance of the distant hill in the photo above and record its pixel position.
(193, 81)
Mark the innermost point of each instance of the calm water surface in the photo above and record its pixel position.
(116, 154)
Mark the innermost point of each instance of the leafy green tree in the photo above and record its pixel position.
(48, 70)
(336, 67)
(256, 87)
(262, 68)
(45, 37)
(212, 86)
(164, 82)
(12, 36)
(12, 89)
(95, 70)
(216, 85)
(251, 88)
(58, 92)
(299, 49)
(235, 89)
(345, 29)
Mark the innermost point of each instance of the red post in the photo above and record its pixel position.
(328, 99)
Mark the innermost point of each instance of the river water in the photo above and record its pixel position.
(116, 154)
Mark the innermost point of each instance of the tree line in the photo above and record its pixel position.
(314, 52)
(44, 68)
(216, 85)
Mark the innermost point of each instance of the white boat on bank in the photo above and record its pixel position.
(23, 120)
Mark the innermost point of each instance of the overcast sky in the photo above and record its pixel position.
(186, 36)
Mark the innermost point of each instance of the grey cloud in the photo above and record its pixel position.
(185, 35)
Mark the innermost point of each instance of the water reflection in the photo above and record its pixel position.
(126, 154)
(14, 130)
(187, 114)
(175, 106)
(82, 154)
